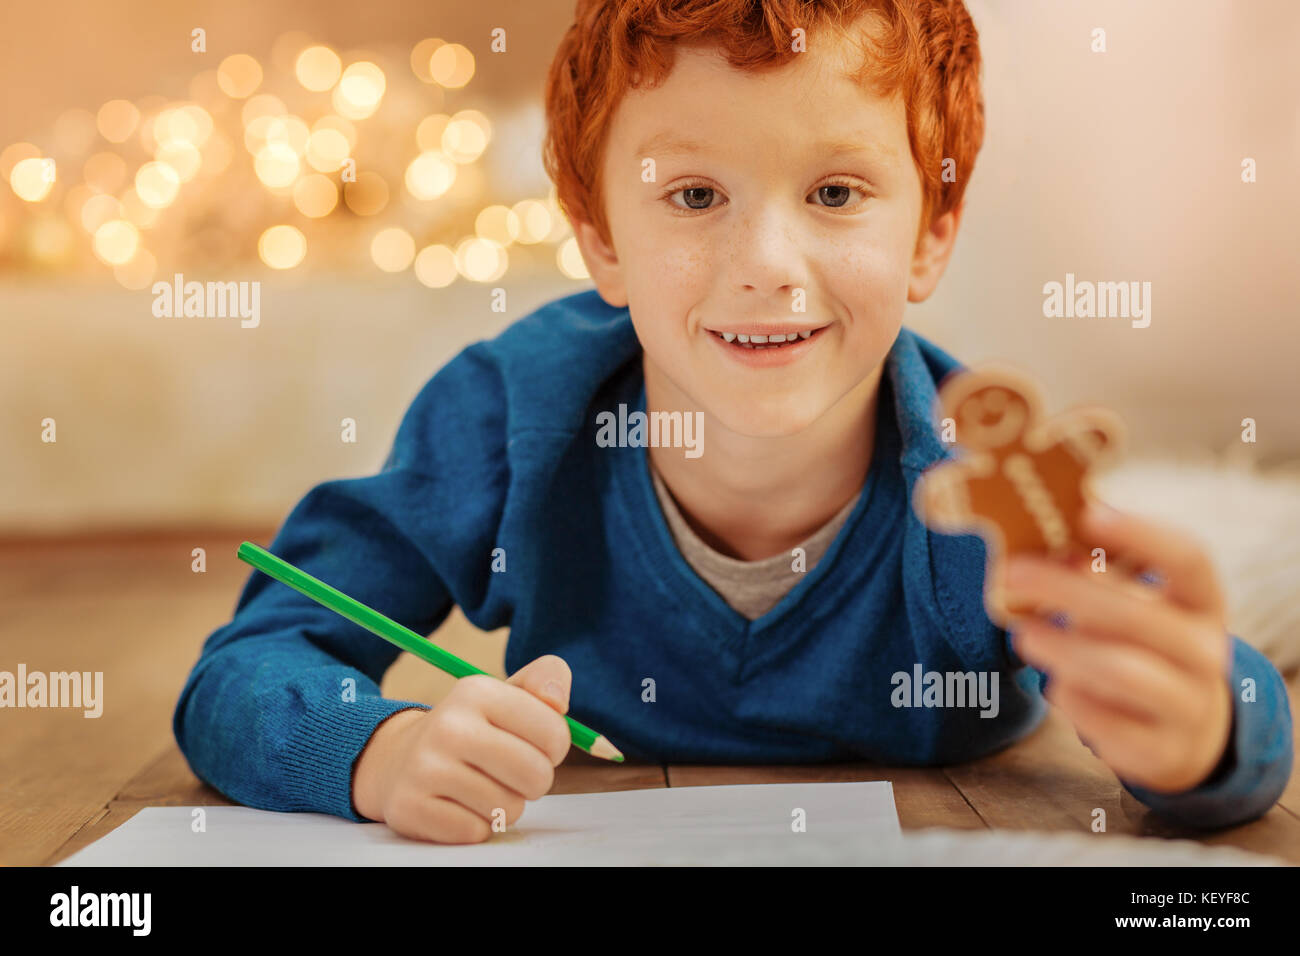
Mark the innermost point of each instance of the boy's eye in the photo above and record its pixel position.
(832, 196)
(835, 195)
(695, 197)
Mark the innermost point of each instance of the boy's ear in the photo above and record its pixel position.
(932, 253)
(606, 271)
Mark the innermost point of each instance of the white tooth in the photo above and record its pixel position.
(729, 336)
(805, 335)
(778, 339)
(760, 339)
(743, 338)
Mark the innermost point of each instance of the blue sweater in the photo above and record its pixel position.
(498, 451)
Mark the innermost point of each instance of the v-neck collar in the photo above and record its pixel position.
(656, 539)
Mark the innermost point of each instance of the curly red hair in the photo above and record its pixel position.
(927, 49)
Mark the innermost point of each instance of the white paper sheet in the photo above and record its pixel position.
(847, 824)
(754, 824)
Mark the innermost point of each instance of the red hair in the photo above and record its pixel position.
(926, 49)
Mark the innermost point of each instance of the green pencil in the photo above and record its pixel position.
(583, 737)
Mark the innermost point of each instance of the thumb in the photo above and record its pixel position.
(548, 678)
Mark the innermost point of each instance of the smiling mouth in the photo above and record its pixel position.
(749, 340)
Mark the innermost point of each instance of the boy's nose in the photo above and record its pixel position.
(768, 254)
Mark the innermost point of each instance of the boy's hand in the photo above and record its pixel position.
(442, 774)
(1142, 672)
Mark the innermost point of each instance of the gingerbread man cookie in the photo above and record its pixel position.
(1023, 482)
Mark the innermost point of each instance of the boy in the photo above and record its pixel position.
(755, 218)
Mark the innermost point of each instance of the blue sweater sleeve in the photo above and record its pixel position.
(285, 696)
(1257, 764)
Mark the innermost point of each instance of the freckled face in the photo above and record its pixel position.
(772, 191)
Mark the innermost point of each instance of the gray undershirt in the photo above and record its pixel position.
(751, 588)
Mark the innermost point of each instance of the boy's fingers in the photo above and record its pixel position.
(1126, 677)
(548, 677)
(1188, 572)
(502, 743)
(1096, 605)
(1124, 744)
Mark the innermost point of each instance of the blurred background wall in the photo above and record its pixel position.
(226, 165)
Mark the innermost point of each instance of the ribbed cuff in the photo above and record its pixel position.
(325, 747)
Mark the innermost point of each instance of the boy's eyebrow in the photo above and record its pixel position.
(671, 143)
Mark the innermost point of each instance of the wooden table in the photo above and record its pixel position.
(134, 609)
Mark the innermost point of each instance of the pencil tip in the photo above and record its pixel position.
(604, 749)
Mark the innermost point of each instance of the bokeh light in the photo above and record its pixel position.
(116, 241)
(534, 220)
(428, 135)
(451, 65)
(202, 123)
(498, 223)
(239, 76)
(430, 175)
(315, 195)
(157, 184)
(318, 68)
(339, 124)
(117, 120)
(420, 55)
(480, 260)
(175, 125)
(359, 90)
(569, 258)
(368, 195)
(183, 158)
(435, 266)
(276, 165)
(282, 247)
(392, 249)
(326, 150)
(466, 136)
(33, 178)
(290, 130)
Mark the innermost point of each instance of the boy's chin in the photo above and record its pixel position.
(775, 420)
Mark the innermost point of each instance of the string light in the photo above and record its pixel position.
(314, 138)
